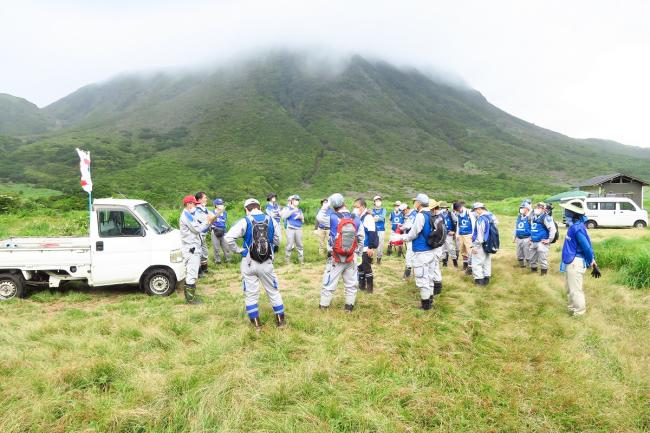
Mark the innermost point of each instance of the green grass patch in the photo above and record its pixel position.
(629, 257)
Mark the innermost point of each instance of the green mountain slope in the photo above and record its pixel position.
(20, 117)
(283, 123)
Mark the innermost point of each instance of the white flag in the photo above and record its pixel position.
(84, 166)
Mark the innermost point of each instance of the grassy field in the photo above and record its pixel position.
(507, 358)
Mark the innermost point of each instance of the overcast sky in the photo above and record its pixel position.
(577, 67)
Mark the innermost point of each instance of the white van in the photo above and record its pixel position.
(614, 212)
(128, 243)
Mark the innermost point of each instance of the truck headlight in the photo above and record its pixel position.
(176, 256)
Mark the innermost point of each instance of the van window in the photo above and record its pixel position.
(606, 205)
(117, 223)
(624, 205)
(592, 205)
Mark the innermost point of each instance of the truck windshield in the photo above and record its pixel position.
(153, 218)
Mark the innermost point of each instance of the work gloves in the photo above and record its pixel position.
(596, 272)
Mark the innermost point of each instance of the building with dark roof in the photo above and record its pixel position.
(615, 185)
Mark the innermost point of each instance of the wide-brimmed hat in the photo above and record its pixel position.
(478, 205)
(574, 205)
(443, 204)
(433, 203)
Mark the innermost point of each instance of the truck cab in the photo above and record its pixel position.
(129, 242)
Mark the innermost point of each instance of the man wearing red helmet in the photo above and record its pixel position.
(192, 225)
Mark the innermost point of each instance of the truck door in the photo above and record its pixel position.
(627, 213)
(607, 215)
(121, 251)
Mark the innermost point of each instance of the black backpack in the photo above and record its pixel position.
(557, 233)
(260, 248)
(491, 246)
(438, 233)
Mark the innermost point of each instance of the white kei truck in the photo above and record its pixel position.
(128, 243)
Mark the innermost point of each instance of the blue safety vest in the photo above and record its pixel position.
(274, 210)
(380, 225)
(220, 220)
(487, 218)
(292, 219)
(464, 224)
(538, 230)
(448, 221)
(396, 218)
(523, 227)
(328, 213)
(420, 243)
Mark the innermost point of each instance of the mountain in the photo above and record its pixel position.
(18, 116)
(284, 122)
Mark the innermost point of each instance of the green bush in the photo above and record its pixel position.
(629, 257)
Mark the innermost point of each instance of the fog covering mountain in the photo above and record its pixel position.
(282, 122)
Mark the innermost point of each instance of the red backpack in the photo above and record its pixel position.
(345, 242)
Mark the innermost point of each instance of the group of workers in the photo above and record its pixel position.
(429, 234)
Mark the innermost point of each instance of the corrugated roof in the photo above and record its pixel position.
(599, 180)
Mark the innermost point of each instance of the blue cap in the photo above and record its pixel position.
(217, 202)
(296, 197)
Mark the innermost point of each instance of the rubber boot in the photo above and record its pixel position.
(465, 265)
(190, 294)
(478, 282)
(279, 320)
(256, 323)
(455, 261)
(379, 260)
(201, 270)
(362, 281)
(399, 251)
(533, 270)
(445, 262)
(323, 307)
(468, 271)
(522, 264)
(389, 250)
(486, 281)
(348, 308)
(437, 287)
(369, 283)
(544, 272)
(407, 272)
(425, 304)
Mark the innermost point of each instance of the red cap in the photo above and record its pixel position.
(189, 199)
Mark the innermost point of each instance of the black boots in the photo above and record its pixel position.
(348, 308)
(544, 272)
(407, 272)
(445, 262)
(256, 323)
(369, 283)
(468, 271)
(522, 263)
(482, 282)
(465, 266)
(279, 320)
(389, 250)
(190, 294)
(455, 261)
(533, 270)
(437, 287)
(362, 281)
(426, 304)
(203, 269)
(486, 281)
(399, 251)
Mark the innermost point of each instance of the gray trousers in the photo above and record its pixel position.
(409, 254)
(294, 240)
(220, 247)
(523, 249)
(333, 271)
(192, 264)
(424, 268)
(254, 273)
(204, 248)
(539, 255)
(449, 247)
(481, 264)
(379, 252)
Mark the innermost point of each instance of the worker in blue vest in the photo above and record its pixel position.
(449, 248)
(409, 219)
(481, 260)
(370, 244)
(577, 255)
(218, 231)
(396, 220)
(465, 231)
(424, 260)
(379, 214)
(294, 220)
(542, 230)
(521, 236)
(272, 207)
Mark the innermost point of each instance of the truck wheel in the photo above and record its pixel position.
(591, 224)
(640, 224)
(12, 286)
(159, 282)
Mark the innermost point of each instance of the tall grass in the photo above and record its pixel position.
(629, 257)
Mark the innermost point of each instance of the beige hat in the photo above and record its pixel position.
(443, 204)
(574, 205)
(397, 203)
(433, 203)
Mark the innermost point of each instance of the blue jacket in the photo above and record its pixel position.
(577, 244)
